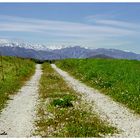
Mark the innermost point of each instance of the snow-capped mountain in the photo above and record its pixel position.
(41, 52)
(26, 50)
(72, 52)
(22, 44)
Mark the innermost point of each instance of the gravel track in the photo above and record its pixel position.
(16, 120)
(115, 113)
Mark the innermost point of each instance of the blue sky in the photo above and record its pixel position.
(92, 25)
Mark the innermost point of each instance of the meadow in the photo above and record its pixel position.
(120, 79)
(13, 73)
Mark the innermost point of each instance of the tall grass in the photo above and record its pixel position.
(13, 73)
(119, 79)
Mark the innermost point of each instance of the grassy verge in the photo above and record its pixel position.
(62, 113)
(15, 71)
(118, 78)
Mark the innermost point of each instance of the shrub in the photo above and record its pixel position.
(66, 101)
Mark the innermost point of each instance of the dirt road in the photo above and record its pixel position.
(116, 114)
(16, 120)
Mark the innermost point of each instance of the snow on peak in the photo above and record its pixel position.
(21, 44)
(58, 47)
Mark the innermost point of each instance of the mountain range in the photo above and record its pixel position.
(12, 48)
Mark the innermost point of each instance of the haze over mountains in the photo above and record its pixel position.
(41, 52)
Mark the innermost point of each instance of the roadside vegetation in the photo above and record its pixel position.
(62, 113)
(119, 79)
(13, 73)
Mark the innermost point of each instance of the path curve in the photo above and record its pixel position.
(17, 119)
(115, 113)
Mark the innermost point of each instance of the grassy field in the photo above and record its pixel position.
(13, 73)
(62, 113)
(119, 79)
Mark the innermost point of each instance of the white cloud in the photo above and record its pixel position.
(101, 32)
(64, 28)
(117, 23)
(109, 20)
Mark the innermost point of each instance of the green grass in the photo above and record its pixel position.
(66, 101)
(16, 71)
(119, 79)
(62, 113)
